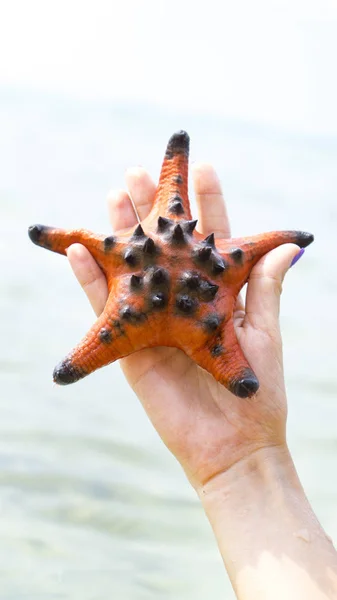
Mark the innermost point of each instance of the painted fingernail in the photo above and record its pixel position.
(297, 257)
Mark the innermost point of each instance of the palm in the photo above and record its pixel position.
(202, 423)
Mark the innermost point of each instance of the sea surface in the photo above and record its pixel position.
(92, 505)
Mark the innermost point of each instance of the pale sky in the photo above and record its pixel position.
(257, 60)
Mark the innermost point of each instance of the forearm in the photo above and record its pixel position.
(270, 540)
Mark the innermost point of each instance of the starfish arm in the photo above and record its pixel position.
(224, 359)
(240, 250)
(102, 248)
(254, 247)
(241, 254)
(104, 343)
(171, 198)
(58, 240)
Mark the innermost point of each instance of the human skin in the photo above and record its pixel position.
(233, 451)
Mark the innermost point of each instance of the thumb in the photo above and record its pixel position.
(265, 287)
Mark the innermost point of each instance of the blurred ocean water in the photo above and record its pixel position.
(92, 504)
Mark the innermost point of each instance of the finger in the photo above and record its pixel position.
(210, 202)
(141, 189)
(213, 217)
(265, 287)
(121, 211)
(89, 275)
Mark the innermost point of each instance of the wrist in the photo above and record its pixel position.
(263, 486)
(267, 533)
(264, 469)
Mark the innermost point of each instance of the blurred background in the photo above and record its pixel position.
(92, 505)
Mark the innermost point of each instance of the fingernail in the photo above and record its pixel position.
(297, 257)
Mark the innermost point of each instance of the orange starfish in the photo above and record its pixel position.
(167, 285)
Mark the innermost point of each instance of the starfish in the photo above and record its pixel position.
(168, 286)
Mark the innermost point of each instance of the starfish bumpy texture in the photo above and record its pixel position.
(168, 286)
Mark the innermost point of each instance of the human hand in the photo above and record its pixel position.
(206, 427)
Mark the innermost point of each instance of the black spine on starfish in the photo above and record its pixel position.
(237, 255)
(203, 254)
(163, 224)
(207, 291)
(189, 226)
(186, 304)
(138, 232)
(149, 246)
(136, 282)
(178, 179)
(178, 236)
(159, 300)
(191, 280)
(128, 313)
(176, 206)
(130, 257)
(105, 336)
(212, 323)
(159, 276)
(218, 266)
(209, 240)
(109, 243)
